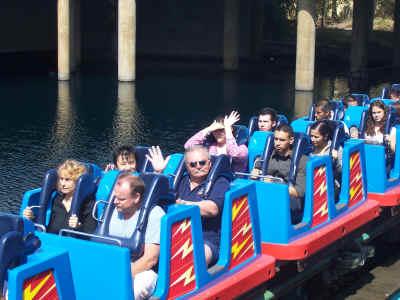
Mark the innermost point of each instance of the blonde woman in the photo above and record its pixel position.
(68, 173)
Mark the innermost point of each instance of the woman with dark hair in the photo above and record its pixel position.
(375, 125)
(223, 141)
(321, 139)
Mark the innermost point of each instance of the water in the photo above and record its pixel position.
(43, 121)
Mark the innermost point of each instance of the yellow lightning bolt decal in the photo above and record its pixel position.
(185, 249)
(353, 159)
(323, 210)
(182, 228)
(251, 246)
(187, 276)
(356, 178)
(236, 209)
(29, 295)
(320, 171)
(321, 189)
(236, 249)
(353, 191)
(245, 228)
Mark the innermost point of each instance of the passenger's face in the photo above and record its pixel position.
(66, 184)
(317, 139)
(126, 163)
(198, 164)
(394, 96)
(377, 114)
(124, 201)
(282, 142)
(219, 136)
(352, 103)
(265, 123)
(321, 115)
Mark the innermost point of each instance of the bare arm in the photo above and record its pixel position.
(208, 208)
(147, 261)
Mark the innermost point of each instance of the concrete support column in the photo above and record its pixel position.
(359, 46)
(231, 35)
(302, 103)
(126, 40)
(396, 35)
(64, 35)
(305, 52)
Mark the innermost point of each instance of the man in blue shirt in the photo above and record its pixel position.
(190, 192)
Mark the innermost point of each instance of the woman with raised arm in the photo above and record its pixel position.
(68, 173)
(223, 141)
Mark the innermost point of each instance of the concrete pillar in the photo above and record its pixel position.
(305, 53)
(396, 35)
(231, 35)
(302, 103)
(126, 40)
(359, 46)
(64, 34)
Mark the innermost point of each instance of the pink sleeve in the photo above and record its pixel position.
(235, 151)
(197, 139)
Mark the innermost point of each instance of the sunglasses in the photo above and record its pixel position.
(193, 164)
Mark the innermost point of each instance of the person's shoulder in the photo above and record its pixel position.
(157, 211)
(222, 180)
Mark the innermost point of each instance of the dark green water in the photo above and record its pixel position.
(44, 122)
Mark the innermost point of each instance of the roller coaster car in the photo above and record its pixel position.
(40, 200)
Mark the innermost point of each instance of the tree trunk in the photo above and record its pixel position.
(334, 11)
(323, 14)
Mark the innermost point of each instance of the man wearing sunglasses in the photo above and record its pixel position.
(190, 192)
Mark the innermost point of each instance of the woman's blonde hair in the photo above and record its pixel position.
(72, 168)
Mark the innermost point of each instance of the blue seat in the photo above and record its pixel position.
(253, 123)
(157, 187)
(385, 93)
(362, 99)
(16, 242)
(241, 134)
(85, 186)
(142, 163)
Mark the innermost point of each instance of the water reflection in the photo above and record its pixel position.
(64, 124)
(127, 123)
(302, 103)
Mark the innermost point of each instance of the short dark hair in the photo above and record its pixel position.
(136, 184)
(347, 99)
(285, 128)
(124, 151)
(269, 111)
(323, 128)
(323, 105)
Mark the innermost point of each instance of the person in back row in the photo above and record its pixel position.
(375, 125)
(322, 110)
(349, 100)
(123, 159)
(190, 192)
(223, 141)
(267, 118)
(395, 93)
(68, 173)
(128, 192)
(279, 166)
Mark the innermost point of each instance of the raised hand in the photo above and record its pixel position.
(157, 159)
(109, 167)
(73, 222)
(28, 213)
(214, 126)
(334, 154)
(231, 119)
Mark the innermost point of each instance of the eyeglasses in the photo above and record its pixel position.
(193, 164)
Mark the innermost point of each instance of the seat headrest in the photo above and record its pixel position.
(269, 147)
(385, 93)
(253, 125)
(142, 163)
(10, 222)
(301, 146)
(241, 134)
(49, 185)
(220, 167)
(362, 99)
(281, 119)
(338, 136)
(85, 186)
